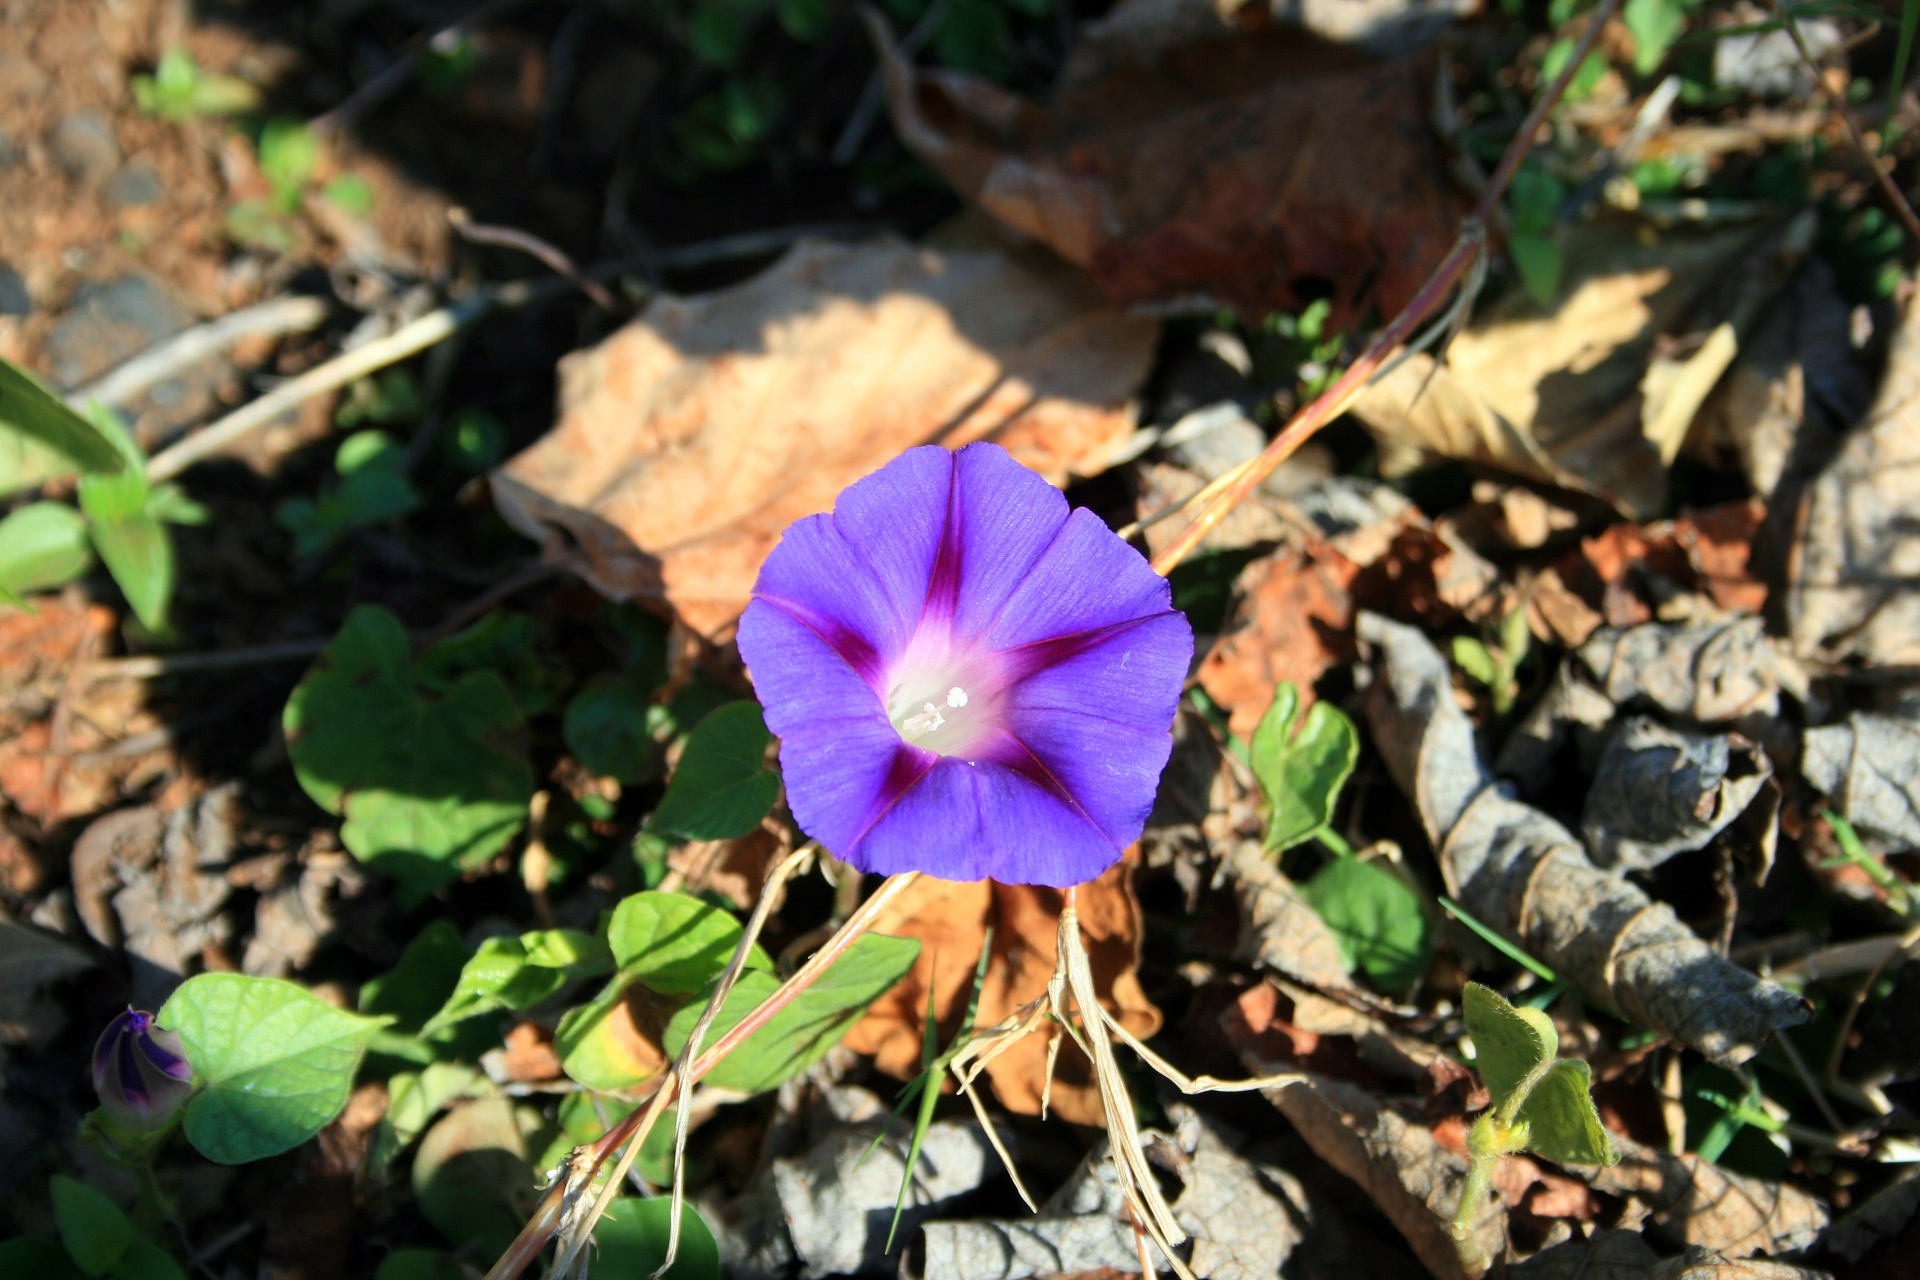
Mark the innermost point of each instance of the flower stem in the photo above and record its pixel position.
(1453, 268)
(1483, 1156)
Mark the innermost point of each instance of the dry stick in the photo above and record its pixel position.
(1459, 260)
(632, 1131)
(271, 319)
(1882, 175)
(391, 78)
(526, 242)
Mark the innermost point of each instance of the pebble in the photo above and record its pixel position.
(14, 298)
(135, 184)
(84, 146)
(108, 323)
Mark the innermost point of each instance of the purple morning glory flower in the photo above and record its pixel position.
(967, 678)
(139, 1071)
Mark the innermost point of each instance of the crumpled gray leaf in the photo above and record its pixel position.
(1703, 672)
(1245, 1217)
(816, 1208)
(1855, 588)
(1880, 1219)
(1701, 1205)
(293, 919)
(1409, 1176)
(156, 885)
(1606, 1255)
(1870, 768)
(1524, 874)
(1660, 791)
(1278, 927)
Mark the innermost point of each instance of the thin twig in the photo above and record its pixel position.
(1881, 173)
(271, 319)
(528, 243)
(1458, 262)
(393, 77)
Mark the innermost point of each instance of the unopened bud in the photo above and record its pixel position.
(140, 1072)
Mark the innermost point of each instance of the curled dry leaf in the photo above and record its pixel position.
(950, 920)
(1278, 927)
(1660, 791)
(1573, 394)
(1870, 769)
(690, 438)
(1524, 874)
(1216, 171)
(1410, 1177)
(1854, 585)
(1702, 1205)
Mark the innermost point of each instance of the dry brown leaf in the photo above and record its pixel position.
(528, 1056)
(1661, 791)
(1524, 874)
(1292, 620)
(1409, 1176)
(1854, 589)
(1699, 1204)
(1278, 927)
(1214, 172)
(1557, 394)
(690, 438)
(950, 919)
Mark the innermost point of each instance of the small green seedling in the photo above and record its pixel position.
(1654, 25)
(1854, 852)
(1497, 665)
(289, 155)
(1541, 1102)
(96, 1240)
(178, 90)
(1301, 763)
(373, 490)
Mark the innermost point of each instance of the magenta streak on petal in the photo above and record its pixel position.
(851, 647)
(943, 586)
(1037, 655)
(904, 772)
(1009, 752)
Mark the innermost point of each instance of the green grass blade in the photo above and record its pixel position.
(1499, 943)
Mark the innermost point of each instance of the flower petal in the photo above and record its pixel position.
(1111, 771)
(859, 576)
(1086, 579)
(1129, 673)
(974, 819)
(1001, 520)
(842, 760)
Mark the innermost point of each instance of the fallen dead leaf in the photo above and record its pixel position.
(1214, 172)
(1292, 620)
(1278, 927)
(528, 1056)
(692, 437)
(1700, 1204)
(1870, 768)
(1558, 394)
(1854, 583)
(950, 920)
(1661, 791)
(1519, 871)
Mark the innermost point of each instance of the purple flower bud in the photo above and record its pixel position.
(140, 1072)
(967, 679)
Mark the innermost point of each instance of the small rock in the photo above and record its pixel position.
(14, 298)
(84, 146)
(108, 323)
(134, 184)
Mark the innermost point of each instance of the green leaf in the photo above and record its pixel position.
(414, 1098)
(807, 21)
(1562, 1123)
(30, 412)
(586, 1117)
(1540, 263)
(1475, 659)
(420, 1264)
(145, 1260)
(94, 1230)
(975, 36)
(471, 1177)
(518, 973)
(673, 943)
(605, 727)
(1584, 81)
(414, 989)
(431, 780)
(1511, 1045)
(273, 1062)
(350, 194)
(289, 153)
(631, 1240)
(800, 1034)
(1655, 25)
(1301, 773)
(134, 546)
(1376, 918)
(721, 788)
(42, 545)
(36, 1258)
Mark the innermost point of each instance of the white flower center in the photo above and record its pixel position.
(930, 718)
